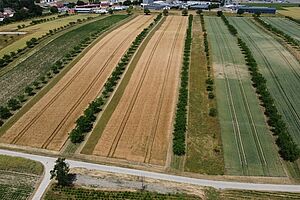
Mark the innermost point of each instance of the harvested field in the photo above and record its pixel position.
(140, 128)
(287, 26)
(248, 145)
(279, 67)
(47, 123)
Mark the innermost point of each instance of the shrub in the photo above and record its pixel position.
(212, 112)
(13, 104)
(4, 112)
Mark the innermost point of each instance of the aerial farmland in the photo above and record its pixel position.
(209, 95)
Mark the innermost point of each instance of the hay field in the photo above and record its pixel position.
(291, 12)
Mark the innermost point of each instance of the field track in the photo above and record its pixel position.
(140, 128)
(288, 26)
(244, 131)
(47, 123)
(281, 70)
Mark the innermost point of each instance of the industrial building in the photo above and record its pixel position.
(257, 10)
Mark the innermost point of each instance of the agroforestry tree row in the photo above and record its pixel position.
(271, 28)
(288, 149)
(181, 111)
(84, 123)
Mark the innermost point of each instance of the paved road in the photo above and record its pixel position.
(48, 162)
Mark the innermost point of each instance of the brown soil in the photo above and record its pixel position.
(47, 123)
(140, 127)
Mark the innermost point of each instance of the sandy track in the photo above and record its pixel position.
(140, 127)
(47, 123)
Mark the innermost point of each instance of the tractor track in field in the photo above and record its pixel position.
(274, 76)
(85, 64)
(249, 114)
(135, 95)
(150, 142)
(236, 129)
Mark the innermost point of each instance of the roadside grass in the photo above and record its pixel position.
(52, 83)
(22, 165)
(57, 192)
(204, 145)
(278, 6)
(96, 133)
(287, 26)
(279, 67)
(38, 30)
(38, 64)
(291, 12)
(248, 145)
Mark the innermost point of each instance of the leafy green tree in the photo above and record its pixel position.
(61, 172)
(219, 13)
(4, 112)
(184, 12)
(21, 98)
(199, 11)
(13, 104)
(146, 11)
(165, 12)
(54, 9)
(29, 90)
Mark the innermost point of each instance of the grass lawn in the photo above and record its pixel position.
(204, 146)
(291, 12)
(248, 145)
(38, 30)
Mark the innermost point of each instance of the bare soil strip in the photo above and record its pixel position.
(46, 124)
(140, 127)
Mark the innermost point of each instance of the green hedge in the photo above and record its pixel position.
(181, 111)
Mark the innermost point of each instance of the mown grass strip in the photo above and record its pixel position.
(288, 148)
(180, 124)
(109, 87)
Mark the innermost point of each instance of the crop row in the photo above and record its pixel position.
(8, 58)
(181, 111)
(84, 123)
(271, 28)
(81, 193)
(288, 148)
(30, 90)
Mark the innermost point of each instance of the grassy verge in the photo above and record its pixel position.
(52, 83)
(17, 164)
(204, 151)
(104, 118)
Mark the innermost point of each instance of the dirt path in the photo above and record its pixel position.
(140, 126)
(47, 123)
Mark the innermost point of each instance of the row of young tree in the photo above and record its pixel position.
(8, 58)
(288, 149)
(181, 110)
(84, 123)
(273, 29)
(293, 19)
(16, 103)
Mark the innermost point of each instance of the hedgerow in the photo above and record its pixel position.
(288, 149)
(181, 111)
(271, 28)
(84, 123)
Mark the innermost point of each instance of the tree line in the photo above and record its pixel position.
(180, 124)
(288, 149)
